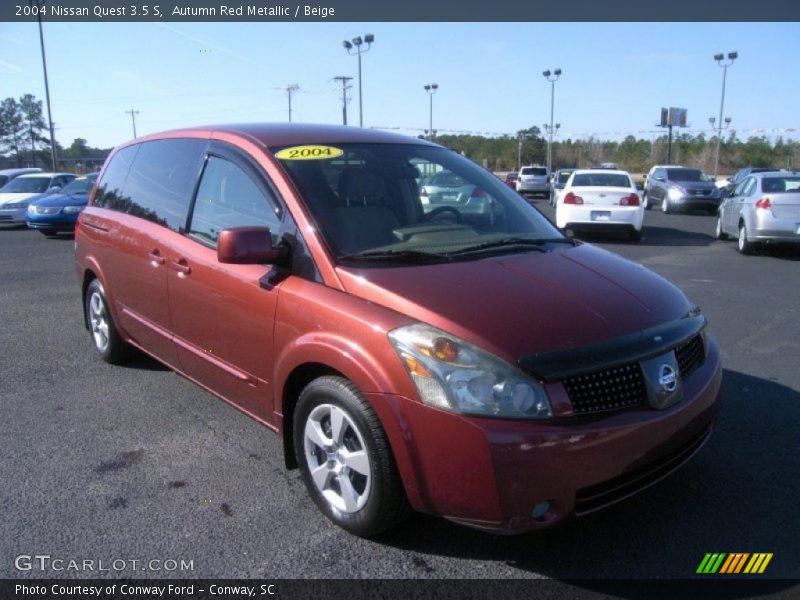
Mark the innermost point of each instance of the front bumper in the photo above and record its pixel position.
(490, 474)
(695, 202)
(14, 216)
(55, 222)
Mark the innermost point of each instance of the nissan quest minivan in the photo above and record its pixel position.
(463, 359)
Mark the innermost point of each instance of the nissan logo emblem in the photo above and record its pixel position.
(667, 378)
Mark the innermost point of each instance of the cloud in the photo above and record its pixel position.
(7, 67)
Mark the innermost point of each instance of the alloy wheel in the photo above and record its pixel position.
(98, 321)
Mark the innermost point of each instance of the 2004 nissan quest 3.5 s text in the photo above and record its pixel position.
(457, 355)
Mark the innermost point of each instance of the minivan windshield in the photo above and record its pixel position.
(413, 204)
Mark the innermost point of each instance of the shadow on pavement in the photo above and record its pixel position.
(739, 494)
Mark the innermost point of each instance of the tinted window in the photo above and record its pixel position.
(3, 180)
(563, 176)
(539, 171)
(80, 185)
(601, 179)
(691, 175)
(161, 180)
(228, 197)
(110, 193)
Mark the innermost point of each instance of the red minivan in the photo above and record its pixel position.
(453, 354)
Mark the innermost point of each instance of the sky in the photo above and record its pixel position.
(616, 76)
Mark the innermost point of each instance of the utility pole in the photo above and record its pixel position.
(344, 79)
(53, 157)
(289, 88)
(431, 90)
(720, 58)
(133, 114)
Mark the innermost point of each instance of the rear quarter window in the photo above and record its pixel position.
(110, 192)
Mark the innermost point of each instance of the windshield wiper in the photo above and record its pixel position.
(523, 244)
(407, 256)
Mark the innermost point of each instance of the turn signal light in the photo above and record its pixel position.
(571, 198)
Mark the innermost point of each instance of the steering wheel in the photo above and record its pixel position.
(441, 210)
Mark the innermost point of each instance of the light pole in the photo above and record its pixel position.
(552, 78)
(720, 58)
(550, 130)
(431, 90)
(53, 158)
(357, 43)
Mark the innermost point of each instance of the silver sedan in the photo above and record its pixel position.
(764, 208)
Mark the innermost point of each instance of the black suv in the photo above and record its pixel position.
(681, 188)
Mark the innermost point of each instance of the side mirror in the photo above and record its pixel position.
(659, 178)
(246, 246)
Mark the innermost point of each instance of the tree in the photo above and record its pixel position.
(11, 127)
(34, 122)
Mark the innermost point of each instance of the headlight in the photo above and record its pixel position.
(32, 209)
(72, 209)
(675, 193)
(454, 375)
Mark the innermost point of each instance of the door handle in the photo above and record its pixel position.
(156, 259)
(182, 267)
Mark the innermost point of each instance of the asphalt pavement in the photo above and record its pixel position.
(136, 463)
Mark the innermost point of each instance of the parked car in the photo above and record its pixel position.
(559, 180)
(764, 208)
(7, 175)
(534, 180)
(740, 175)
(600, 200)
(680, 188)
(395, 351)
(511, 179)
(58, 212)
(20, 191)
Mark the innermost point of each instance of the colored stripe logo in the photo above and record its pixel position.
(733, 563)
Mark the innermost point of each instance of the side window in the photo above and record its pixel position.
(110, 192)
(744, 188)
(162, 179)
(658, 173)
(228, 197)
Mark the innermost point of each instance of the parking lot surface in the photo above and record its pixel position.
(135, 462)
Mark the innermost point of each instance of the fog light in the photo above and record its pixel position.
(540, 510)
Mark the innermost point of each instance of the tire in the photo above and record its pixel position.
(744, 246)
(719, 232)
(108, 343)
(646, 201)
(355, 481)
(665, 207)
(635, 235)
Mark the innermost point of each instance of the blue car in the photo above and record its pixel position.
(58, 212)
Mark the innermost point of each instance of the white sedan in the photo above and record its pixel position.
(600, 200)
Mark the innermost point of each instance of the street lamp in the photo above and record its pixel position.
(552, 78)
(431, 90)
(356, 48)
(720, 58)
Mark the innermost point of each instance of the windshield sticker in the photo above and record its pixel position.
(309, 153)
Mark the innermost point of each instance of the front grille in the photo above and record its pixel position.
(699, 192)
(690, 356)
(610, 389)
(602, 494)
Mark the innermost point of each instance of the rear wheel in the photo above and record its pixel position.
(636, 235)
(745, 246)
(108, 343)
(345, 459)
(719, 232)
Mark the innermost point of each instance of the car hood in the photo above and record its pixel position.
(15, 197)
(62, 200)
(523, 304)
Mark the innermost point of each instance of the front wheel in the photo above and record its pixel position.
(665, 207)
(108, 343)
(345, 459)
(645, 201)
